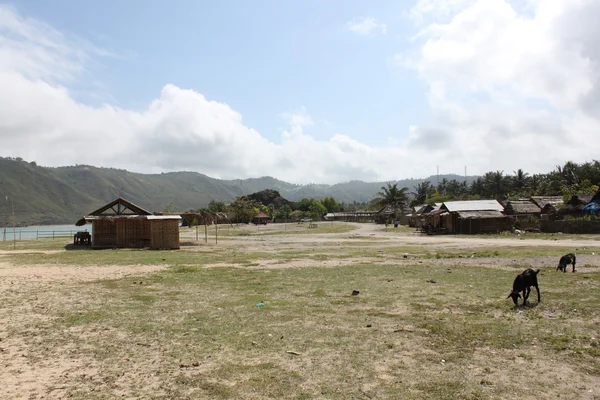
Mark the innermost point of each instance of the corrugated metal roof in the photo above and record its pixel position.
(473, 205)
(480, 214)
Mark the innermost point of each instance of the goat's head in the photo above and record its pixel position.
(515, 296)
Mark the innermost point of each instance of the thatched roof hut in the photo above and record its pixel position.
(122, 224)
(522, 208)
(261, 218)
(578, 199)
(541, 201)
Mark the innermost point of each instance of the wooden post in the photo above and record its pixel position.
(196, 232)
(14, 224)
(216, 232)
(205, 233)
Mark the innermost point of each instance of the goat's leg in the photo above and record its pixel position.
(573, 266)
(526, 295)
(538, 292)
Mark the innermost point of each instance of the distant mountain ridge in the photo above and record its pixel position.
(54, 195)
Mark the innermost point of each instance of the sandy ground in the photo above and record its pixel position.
(27, 292)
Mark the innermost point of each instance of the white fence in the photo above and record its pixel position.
(7, 234)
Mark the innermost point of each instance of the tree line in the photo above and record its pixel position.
(566, 180)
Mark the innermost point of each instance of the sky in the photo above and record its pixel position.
(312, 91)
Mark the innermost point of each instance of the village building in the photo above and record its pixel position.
(350, 216)
(122, 224)
(542, 201)
(522, 208)
(468, 217)
(261, 218)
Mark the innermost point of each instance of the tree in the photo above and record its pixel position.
(303, 204)
(495, 185)
(242, 210)
(455, 188)
(330, 204)
(442, 187)
(216, 206)
(284, 213)
(520, 180)
(422, 191)
(392, 196)
(317, 210)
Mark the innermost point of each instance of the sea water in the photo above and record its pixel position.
(40, 231)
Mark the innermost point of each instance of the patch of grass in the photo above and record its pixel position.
(84, 317)
(196, 332)
(58, 243)
(505, 251)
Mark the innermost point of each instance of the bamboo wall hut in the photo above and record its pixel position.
(549, 213)
(469, 217)
(386, 215)
(122, 224)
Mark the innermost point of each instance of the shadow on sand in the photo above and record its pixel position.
(72, 246)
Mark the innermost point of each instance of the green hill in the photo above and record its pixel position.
(43, 195)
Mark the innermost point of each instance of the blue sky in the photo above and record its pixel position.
(307, 92)
(261, 58)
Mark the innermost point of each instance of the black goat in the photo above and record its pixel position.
(566, 260)
(523, 283)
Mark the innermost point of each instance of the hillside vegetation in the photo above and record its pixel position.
(43, 195)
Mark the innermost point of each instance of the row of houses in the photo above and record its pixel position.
(490, 216)
(123, 224)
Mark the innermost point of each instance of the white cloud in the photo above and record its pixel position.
(298, 120)
(511, 84)
(180, 130)
(508, 89)
(367, 26)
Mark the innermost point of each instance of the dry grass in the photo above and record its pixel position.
(194, 330)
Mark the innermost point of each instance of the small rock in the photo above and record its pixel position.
(355, 293)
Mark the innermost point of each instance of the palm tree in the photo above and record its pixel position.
(442, 187)
(392, 196)
(520, 180)
(570, 173)
(495, 185)
(422, 191)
